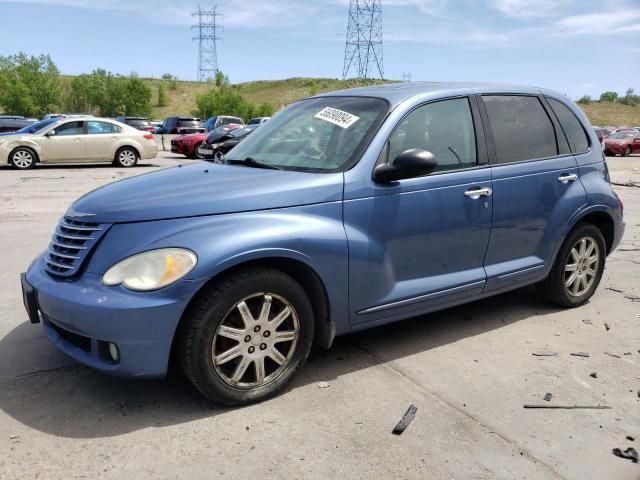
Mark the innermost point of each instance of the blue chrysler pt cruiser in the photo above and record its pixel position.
(346, 211)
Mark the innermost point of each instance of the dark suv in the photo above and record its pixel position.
(139, 123)
(182, 125)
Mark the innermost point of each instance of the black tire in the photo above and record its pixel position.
(627, 152)
(554, 287)
(23, 158)
(126, 157)
(213, 308)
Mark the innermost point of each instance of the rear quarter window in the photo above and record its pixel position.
(576, 136)
(521, 128)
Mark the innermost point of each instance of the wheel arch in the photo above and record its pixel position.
(300, 271)
(605, 224)
(28, 147)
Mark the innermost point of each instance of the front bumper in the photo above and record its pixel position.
(183, 148)
(81, 317)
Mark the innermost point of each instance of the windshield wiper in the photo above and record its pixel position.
(253, 163)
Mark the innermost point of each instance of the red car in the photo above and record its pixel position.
(624, 142)
(188, 144)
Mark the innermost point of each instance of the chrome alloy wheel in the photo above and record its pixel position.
(127, 158)
(250, 351)
(582, 266)
(22, 159)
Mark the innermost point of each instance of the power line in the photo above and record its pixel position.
(363, 48)
(207, 36)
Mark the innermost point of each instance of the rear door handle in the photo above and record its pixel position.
(478, 192)
(567, 178)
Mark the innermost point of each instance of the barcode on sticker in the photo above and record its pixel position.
(337, 117)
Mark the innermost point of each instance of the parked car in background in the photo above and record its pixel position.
(308, 231)
(188, 144)
(157, 126)
(225, 143)
(214, 136)
(12, 123)
(182, 125)
(52, 116)
(258, 120)
(220, 120)
(77, 140)
(140, 123)
(622, 142)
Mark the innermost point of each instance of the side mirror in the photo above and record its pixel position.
(409, 164)
(50, 133)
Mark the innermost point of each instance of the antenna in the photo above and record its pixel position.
(363, 49)
(207, 37)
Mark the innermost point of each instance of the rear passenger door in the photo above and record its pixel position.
(535, 187)
(100, 139)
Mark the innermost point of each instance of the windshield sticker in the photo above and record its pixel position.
(337, 117)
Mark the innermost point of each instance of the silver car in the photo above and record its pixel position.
(76, 140)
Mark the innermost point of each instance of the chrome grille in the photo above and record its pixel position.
(70, 244)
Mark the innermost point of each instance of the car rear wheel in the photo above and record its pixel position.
(22, 158)
(244, 339)
(627, 152)
(578, 268)
(126, 157)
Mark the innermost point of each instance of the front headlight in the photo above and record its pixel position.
(151, 270)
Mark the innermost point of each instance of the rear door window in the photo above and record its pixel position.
(521, 128)
(578, 141)
(445, 128)
(101, 128)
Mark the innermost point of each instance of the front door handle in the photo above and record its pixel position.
(478, 192)
(567, 178)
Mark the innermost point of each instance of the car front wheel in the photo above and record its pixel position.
(22, 158)
(578, 268)
(126, 157)
(244, 339)
(627, 152)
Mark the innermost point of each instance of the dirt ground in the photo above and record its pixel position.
(469, 370)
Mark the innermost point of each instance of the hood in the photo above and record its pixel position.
(206, 189)
(12, 136)
(191, 136)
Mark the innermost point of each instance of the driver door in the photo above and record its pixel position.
(418, 244)
(67, 145)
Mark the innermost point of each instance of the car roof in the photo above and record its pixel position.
(396, 93)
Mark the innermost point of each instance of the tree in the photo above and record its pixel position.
(221, 79)
(162, 96)
(585, 100)
(630, 98)
(173, 85)
(167, 76)
(29, 85)
(609, 97)
(137, 97)
(226, 101)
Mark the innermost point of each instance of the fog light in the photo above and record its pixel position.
(114, 353)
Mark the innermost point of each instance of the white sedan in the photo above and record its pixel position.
(75, 140)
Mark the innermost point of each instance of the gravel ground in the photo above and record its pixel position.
(469, 370)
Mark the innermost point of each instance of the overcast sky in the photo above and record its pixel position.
(576, 46)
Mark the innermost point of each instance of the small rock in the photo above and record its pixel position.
(13, 436)
(606, 325)
(593, 374)
(547, 397)
(322, 385)
(630, 438)
(587, 322)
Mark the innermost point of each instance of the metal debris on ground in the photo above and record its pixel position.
(544, 354)
(580, 354)
(587, 322)
(593, 375)
(570, 407)
(629, 453)
(322, 385)
(630, 438)
(612, 355)
(547, 397)
(408, 417)
(606, 326)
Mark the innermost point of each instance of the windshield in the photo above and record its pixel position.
(621, 135)
(38, 126)
(189, 123)
(324, 134)
(139, 122)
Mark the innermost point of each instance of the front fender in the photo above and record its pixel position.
(22, 142)
(313, 235)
